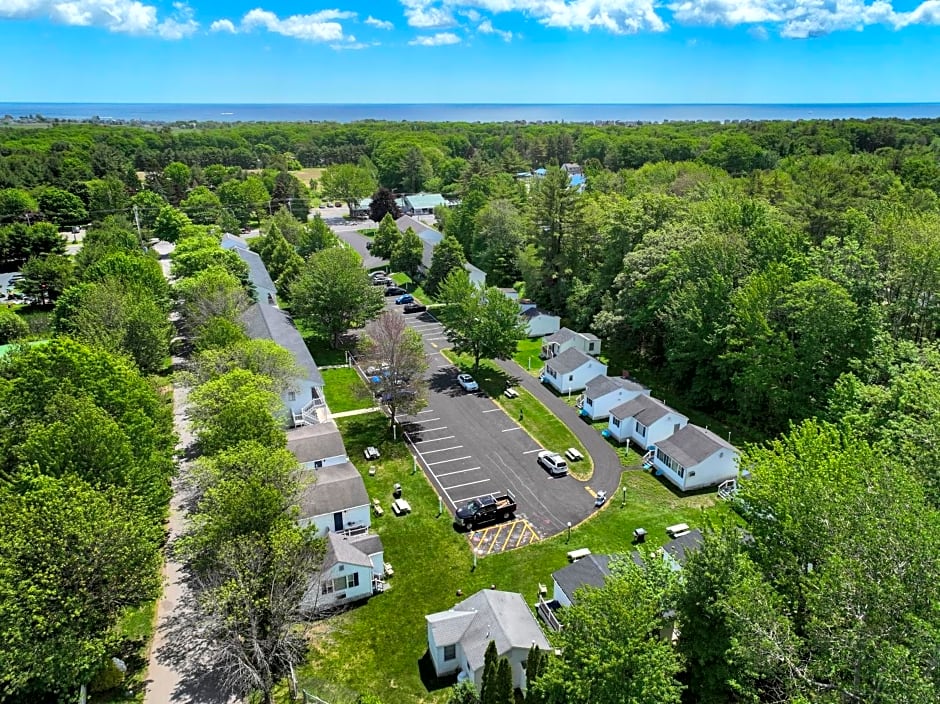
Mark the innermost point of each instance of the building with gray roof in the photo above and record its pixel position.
(304, 401)
(317, 445)
(590, 571)
(694, 457)
(643, 420)
(571, 370)
(353, 569)
(565, 339)
(458, 638)
(334, 499)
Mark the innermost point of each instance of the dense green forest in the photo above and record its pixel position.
(783, 277)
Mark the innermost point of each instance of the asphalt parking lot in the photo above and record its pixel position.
(469, 447)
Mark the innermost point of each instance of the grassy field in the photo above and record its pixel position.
(344, 390)
(323, 354)
(380, 647)
(527, 355)
(367, 232)
(304, 175)
(531, 414)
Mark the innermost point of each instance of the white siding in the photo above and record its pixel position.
(316, 599)
(719, 467)
(559, 595)
(353, 517)
(301, 393)
(576, 380)
(600, 406)
(660, 430)
(542, 325)
(325, 462)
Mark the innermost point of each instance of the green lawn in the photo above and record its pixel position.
(323, 354)
(527, 355)
(367, 232)
(380, 646)
(407, 283)
(531, 414)
(344, 390)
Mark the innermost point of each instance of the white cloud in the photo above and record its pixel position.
(486, 27)
(758, 32)
(790, 18)
(439, 39)
(316, 27)
(122, 16)
(223, 26)
(379, 24)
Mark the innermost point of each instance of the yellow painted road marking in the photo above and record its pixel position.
(522, 533)
(512, 527)
(591, 492)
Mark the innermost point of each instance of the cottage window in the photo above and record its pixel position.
(450, 652)
(670, 462)
(640, 429)
(352, 580)
(571, 377)
(291, 396)
(615, 421)
(327, 587)
(588, 401)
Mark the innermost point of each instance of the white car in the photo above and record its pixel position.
(467, 382)
(553, 462)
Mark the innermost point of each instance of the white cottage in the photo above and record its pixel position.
(694, 457)
(257, 271)
(590, 571)
(566, 339)
(316, 446)
(571, 371)
(303, 400)
(458, 638)
(353, 569)
(644, 421)
(603, 393)
(538, 323)
(335, 500)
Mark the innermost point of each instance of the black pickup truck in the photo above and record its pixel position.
(496, 507)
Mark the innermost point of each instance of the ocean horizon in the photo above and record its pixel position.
(465, 112)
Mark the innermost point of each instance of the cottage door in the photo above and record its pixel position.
(338, 521)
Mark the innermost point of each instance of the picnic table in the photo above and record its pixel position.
(377, 507)
(400, 507)
(573, 454)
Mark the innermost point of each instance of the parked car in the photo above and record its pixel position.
(372, 453)
(467, 382)
(496, 507)
(369, 245)
(382, 281)
(404, 298)
(394, 291)
(414, 308)
(377, 274)
(553, 462)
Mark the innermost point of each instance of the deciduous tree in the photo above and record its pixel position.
(383, 203)
(347, 182)
(398, 352)
(407, 253)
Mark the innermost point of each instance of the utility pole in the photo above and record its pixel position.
(140, 237)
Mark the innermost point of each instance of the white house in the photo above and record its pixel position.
(592, 571)
(538, 322)
(257, 271)
(566, 339)
(316, 446)
(335, 500)
(571, 371)
(603, 393)
(694, 457)
(303, 400)
(643, 420)
(353, 569)
(458, 638)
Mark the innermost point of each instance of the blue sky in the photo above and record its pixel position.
(470, 51)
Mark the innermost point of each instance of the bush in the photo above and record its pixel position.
(108, 677)
(12, 326)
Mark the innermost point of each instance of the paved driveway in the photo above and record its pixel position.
(469, 447)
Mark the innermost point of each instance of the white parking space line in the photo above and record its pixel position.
(509, 430)
(421, 413)
(481, 481)
(455, 459)
(446, 449)
(459, 471)
(434, 339)
(529, 452)
(427, 430)
(493, 410)
(446, 437)
(429, 420)
(424, 326)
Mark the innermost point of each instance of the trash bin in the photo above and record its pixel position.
(639, 535)
(396, 491)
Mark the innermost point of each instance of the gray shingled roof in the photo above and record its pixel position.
(561, 336)
(692, 444)
(350, 549)
(428, 234)
(315, 442)
(338, 487)
(503, 617)
(680, 547)
(569, 360)
(449, 626)
(645, 409)
(591, 571)
(470, 269)
(230, 241)
(257, 271)
(535, 313)
(267, 322)
(602, 385)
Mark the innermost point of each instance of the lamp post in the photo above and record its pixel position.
(568, 540)
(623, 500)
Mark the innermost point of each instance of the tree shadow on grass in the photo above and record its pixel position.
(429, 677)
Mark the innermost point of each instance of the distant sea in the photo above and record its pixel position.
(288, 112)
